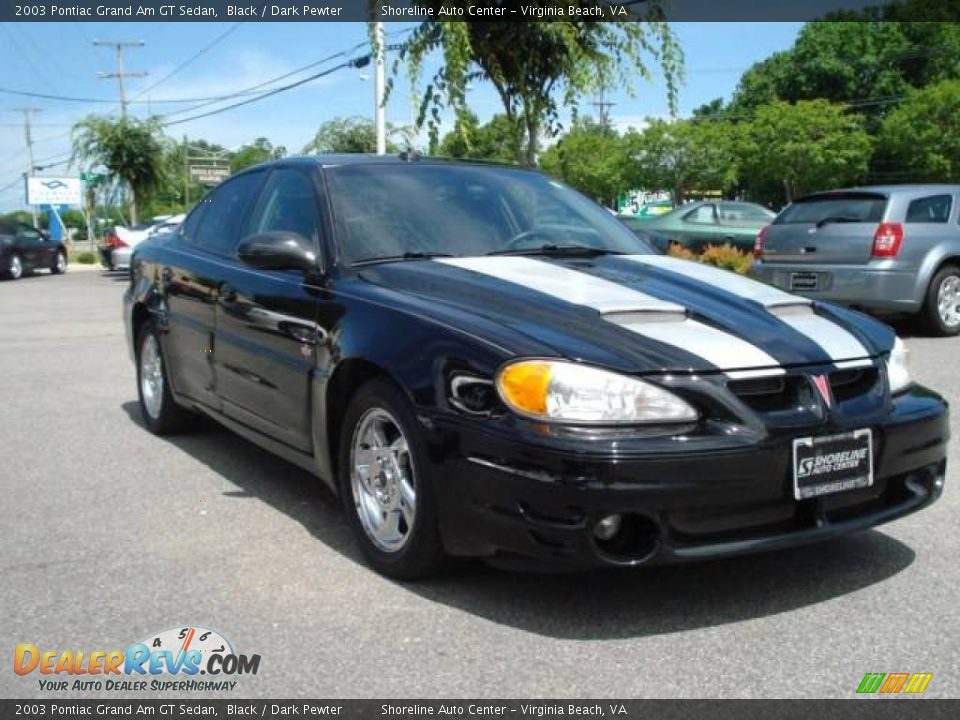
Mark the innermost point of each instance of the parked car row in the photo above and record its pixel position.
(24, 249)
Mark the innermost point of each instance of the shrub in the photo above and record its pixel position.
(679, 251)
(728, 257)
(85, 258)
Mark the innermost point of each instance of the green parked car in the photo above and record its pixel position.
(698, 224)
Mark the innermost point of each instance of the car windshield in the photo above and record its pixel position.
(417, 210)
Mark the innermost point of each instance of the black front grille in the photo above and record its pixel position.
(787, 392)
(850, 384)
(769, 394)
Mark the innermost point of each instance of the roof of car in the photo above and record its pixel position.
(340, 159)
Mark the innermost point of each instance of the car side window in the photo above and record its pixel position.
(226, 208)
(703, 215)
(29, 235)
(933, 209)
(288, 202)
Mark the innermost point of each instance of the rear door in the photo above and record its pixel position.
(835, 227)
(191, 279)
(699, 227)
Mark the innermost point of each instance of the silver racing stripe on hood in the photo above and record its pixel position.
(839, 344)
(563, 283)
(651, 317)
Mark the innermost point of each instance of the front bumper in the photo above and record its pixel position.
(503, 498)
(881, 287)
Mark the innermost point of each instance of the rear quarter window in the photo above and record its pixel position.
(933, 209)
(843, 208)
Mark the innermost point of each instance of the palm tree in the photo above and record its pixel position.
(131, 150)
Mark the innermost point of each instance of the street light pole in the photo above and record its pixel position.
(379, 88)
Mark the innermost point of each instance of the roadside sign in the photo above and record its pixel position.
(209, 174)
(54, 191)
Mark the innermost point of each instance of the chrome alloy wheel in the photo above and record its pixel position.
(383, 480)
(16, 267)
(61, 263)
(948, 301)
(151, 376)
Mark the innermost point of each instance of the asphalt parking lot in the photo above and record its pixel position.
(111, 534)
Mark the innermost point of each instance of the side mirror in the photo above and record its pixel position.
(278, 250)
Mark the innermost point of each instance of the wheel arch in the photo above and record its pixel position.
(347, 377)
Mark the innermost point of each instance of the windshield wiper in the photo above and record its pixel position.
(413, 255)
(837, 219)
(558, 251)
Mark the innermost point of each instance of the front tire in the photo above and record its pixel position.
(385, 484)
(14, 268)
(942, 305)
(160, 412)
(59, 265)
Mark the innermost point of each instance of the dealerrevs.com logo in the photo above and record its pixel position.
(169, 660)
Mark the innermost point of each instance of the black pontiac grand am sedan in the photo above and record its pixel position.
(482, 362)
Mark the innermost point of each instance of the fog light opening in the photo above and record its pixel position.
(626, 538)
(607, 527)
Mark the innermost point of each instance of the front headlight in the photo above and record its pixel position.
(566, 392)
(898, 367)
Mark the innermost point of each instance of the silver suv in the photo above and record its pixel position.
(892, 248)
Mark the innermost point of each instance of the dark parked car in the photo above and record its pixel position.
(893, 248)
(481, 363)
(24, 248)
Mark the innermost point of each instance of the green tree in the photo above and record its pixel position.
(810, 145)
(536, 68)
(131, 150)
(590, 157)
(490, 141)
(260, 150)
(682, 155)
(354, 135)
(922, 136)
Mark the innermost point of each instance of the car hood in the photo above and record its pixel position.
(638, 313)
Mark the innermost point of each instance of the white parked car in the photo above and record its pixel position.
(127, 239)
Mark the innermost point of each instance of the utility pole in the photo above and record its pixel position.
(27, 112)
(379, 88)
(120, 74)
(603, 110)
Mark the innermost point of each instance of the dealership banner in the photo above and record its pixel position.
(363, 709)
(423, 10)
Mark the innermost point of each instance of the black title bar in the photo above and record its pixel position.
(457, 10)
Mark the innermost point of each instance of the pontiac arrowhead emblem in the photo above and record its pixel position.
(823, 387)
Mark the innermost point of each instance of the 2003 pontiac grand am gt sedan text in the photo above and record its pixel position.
(482, 362)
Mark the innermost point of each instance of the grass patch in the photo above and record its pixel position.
(84, 258)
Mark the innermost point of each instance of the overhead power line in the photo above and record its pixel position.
(216, 41)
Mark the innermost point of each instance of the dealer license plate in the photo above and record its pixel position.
(832, 463)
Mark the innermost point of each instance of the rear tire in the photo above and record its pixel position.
(941, 308)
(390, 503)
(59, 264)
(160, 412)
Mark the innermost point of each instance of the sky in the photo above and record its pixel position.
(213, 59)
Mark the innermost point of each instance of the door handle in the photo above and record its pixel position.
(228, 293)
